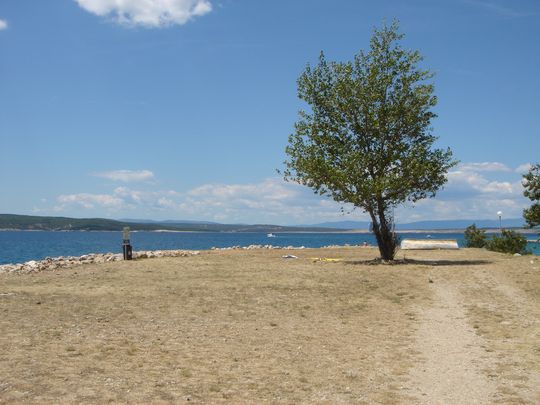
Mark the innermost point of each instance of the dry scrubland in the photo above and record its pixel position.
(248, 326)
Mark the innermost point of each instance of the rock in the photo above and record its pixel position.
(517, 254)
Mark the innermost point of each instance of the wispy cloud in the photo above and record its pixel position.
(148, 13)
(126, 176)
(89, 201)
(501, 9)
(484, 167)
(472, 179)
(271, 200)
(524, 168)
(120, 200)
(474, 190)
(3, 24)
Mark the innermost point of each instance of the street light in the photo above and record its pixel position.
(499, 213)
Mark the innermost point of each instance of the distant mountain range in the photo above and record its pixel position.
(168, 221)
(38, 223)
(429, 225)
(27, 222)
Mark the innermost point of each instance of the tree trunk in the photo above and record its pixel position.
(384, 234)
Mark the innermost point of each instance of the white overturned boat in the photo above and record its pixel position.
(271, 235)
(430, 244)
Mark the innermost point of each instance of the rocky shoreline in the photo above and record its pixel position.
(55, 263)
(61, 262)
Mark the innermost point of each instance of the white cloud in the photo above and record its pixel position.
(89, 201)
(126, 175)
(472, 183)
(473, 191)
(500, 9)
(479, 178)
(271, 200)
(3, 24)
(122, 199)
(524, 168)
(484, 167)
(478, 207)
(148, 13)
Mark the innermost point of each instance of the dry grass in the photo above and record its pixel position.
(249, 326)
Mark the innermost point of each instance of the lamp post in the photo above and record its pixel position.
(499, 213)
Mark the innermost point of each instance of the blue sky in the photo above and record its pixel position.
(181, 109)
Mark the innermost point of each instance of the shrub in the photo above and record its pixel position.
(508, 242)
(474, 237)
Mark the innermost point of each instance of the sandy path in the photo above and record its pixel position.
(453, 360)
(516, 338)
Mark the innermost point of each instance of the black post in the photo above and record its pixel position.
(127, 249)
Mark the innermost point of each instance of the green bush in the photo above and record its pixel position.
(474, 237)
(508, 242)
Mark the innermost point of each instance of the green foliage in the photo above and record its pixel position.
(474, 237)
(366, 139)
(508, 242)
(531, 182)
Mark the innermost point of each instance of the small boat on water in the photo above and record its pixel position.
(271, 235)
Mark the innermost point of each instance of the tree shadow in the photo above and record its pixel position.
(434, 263)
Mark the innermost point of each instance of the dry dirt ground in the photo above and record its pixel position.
(444, 327)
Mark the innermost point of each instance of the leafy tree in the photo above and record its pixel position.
(508, 242)
(366, 139)
(531, 182)
(474, 237)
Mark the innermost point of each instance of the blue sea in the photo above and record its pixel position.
(21, 246)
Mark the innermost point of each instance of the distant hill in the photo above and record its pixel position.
(28, 222)
(429, 225)
(343, 225)
(167, 221)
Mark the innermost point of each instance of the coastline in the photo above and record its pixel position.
(525, 231)
(21, 247)
(60, 262)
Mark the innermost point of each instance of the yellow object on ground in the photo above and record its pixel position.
(325, 259)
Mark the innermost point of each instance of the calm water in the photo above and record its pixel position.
(18, 247)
